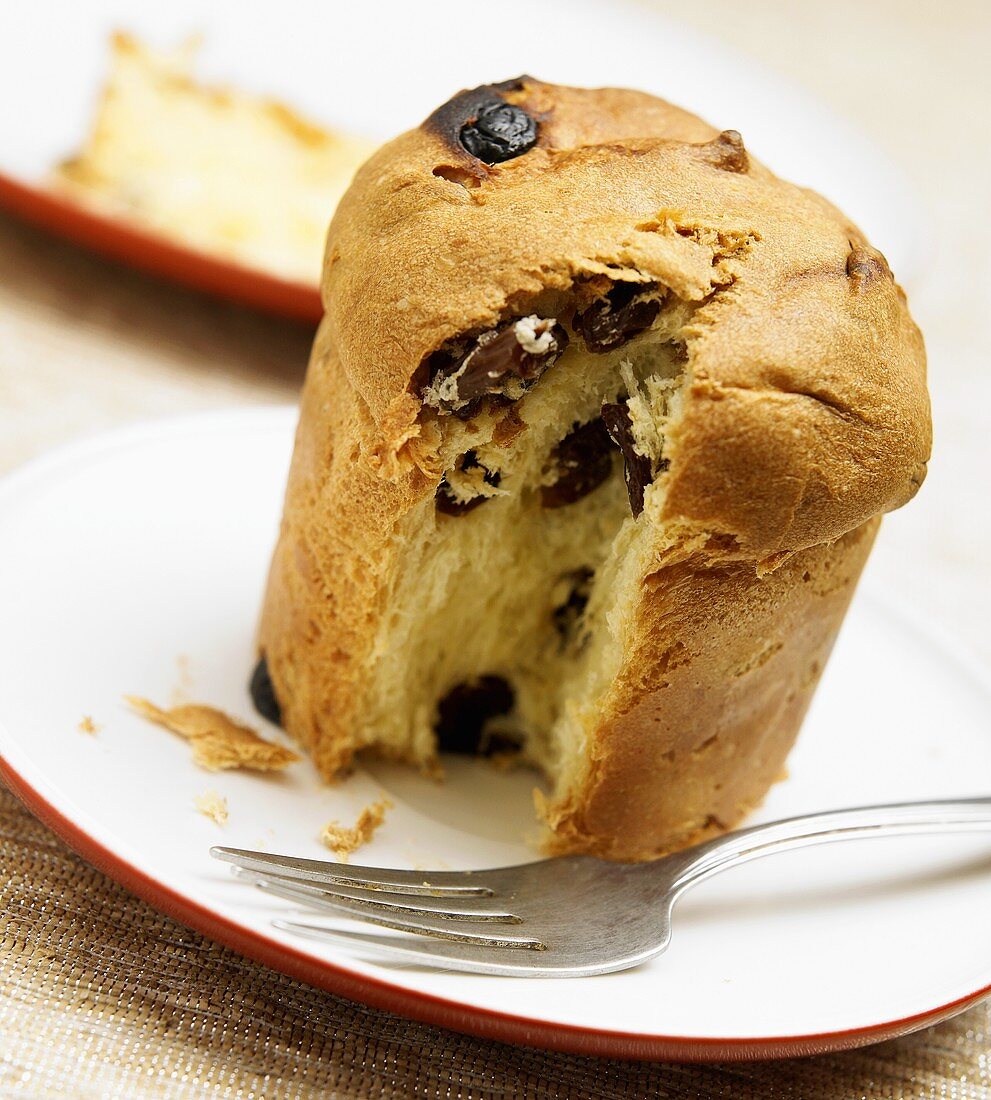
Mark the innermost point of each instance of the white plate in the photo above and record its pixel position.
(134, 563)
(380, 67)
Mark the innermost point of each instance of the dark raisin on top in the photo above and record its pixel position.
(263, 693)
(627, 310)
(583, 460)
(445, 500)
(636, 467)
(499, 131)
(568, 614)
(451, 118)
(463, 713)
(499, 363)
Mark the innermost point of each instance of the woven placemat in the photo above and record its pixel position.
(103, 996)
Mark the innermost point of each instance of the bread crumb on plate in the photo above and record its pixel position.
(217, 740)
(342, 840)
(87, 725)
(213, 805)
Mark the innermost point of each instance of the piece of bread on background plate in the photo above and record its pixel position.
(218, 169)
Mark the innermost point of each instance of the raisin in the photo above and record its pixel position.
(498, 364)
(496, 356)
(445, 500)
(625, 312)
(500, 131)
(263, 693)
(568, 614)
(463, 713)
(636, 467)
(584, 460)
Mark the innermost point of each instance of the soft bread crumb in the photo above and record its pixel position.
(342, 841)
(87, 725)
(218, 741)
(213, 805)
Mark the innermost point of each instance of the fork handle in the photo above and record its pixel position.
(896, 819)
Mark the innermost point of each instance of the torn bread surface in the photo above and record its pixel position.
(507, 621)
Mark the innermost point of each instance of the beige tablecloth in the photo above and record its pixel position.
(102, 996)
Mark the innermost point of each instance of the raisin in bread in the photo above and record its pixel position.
(595, 437)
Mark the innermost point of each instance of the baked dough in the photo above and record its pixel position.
(236, 175)
(217, 740)
(593, 446)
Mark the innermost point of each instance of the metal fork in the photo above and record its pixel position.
(557, 918)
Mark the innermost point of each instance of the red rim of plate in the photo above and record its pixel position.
(430, 1009)
(157, 255)
(415, 1004)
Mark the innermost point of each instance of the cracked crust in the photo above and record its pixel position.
(808, 395)
(802, 416)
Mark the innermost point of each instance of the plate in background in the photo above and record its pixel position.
(134, 563)
(380, 67)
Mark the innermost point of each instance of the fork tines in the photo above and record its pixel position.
(450, 906)
(438, 884)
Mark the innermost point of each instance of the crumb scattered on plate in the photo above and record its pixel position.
(213, 805)
(219, 169)
(342, 840)
(218, 741)
(87, 725)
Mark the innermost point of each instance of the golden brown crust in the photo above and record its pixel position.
(330, 570)
(806, 413)
(709, 702)
(803, 416)
(802, 327)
